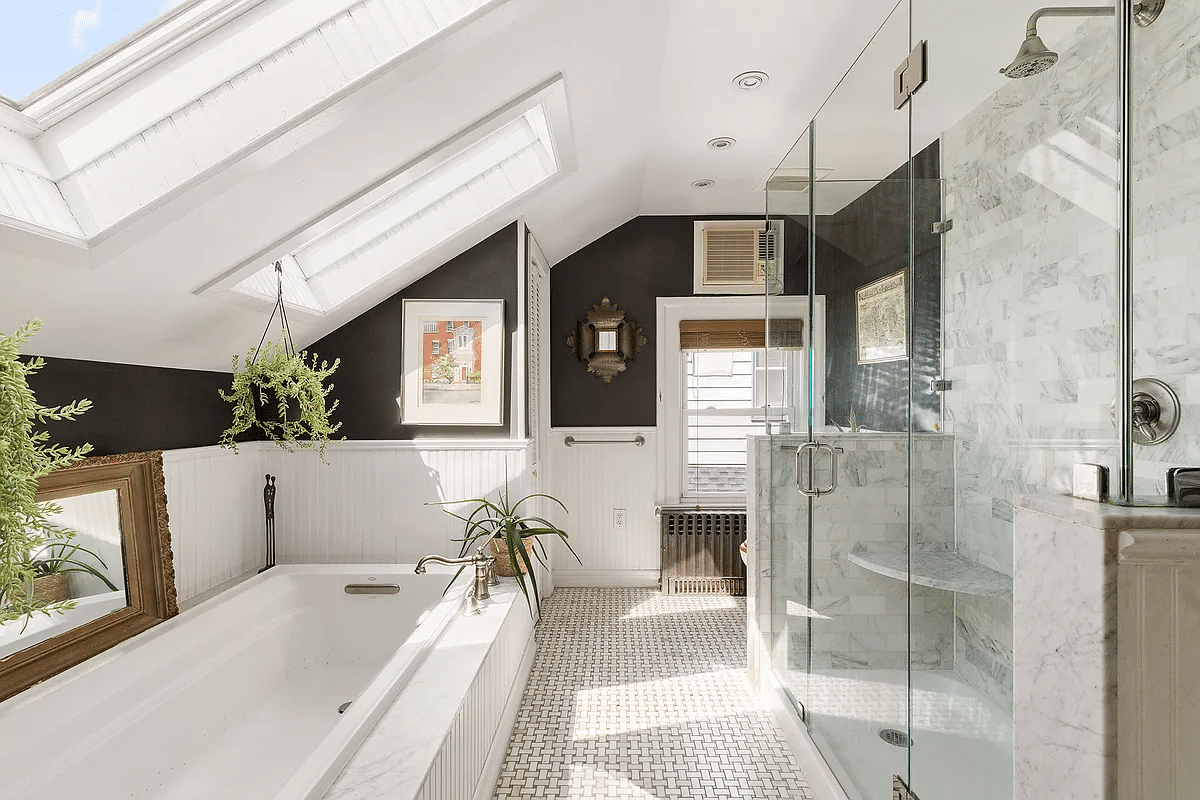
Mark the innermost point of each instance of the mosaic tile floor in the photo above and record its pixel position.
(642, 696)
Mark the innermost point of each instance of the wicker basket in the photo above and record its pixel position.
(504, 565)
(49, 589)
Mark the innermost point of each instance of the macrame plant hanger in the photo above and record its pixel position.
(289, 347)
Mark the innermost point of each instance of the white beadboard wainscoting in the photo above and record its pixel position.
(593, 480)
(215, 505)
(371, 503)
(368, 505)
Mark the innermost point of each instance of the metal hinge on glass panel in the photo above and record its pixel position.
(940, 385)
(900, 790)
(910, 75)
(942, 226)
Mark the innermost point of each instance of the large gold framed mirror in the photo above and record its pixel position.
(116, 569)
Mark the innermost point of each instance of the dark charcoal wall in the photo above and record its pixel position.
(865, 241)
(134, 408)
(369, 378)
(633, 265)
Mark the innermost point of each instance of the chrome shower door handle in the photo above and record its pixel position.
(806, 490)
(833, 466)
(812, 448)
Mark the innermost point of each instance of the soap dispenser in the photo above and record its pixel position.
(1183, 486)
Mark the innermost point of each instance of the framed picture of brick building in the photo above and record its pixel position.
(453, 362)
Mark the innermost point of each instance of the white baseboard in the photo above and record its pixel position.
(606, 578)
(508, 718)
(820, 777)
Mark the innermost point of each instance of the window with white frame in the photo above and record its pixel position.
(719, 382)
(727, 395)
(435, 347)
(429, 326)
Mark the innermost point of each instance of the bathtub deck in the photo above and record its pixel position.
(642, 696)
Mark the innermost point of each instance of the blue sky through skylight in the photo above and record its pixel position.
(42, 39)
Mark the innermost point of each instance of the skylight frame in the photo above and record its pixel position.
(550, 95)
(124, 59)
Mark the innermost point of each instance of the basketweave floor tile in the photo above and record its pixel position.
(635, 694)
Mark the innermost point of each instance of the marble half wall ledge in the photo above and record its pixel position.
(1103, 516)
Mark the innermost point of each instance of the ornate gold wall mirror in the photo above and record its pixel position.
(117, 506)
(606, 340)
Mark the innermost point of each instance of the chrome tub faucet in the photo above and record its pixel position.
(485, 575)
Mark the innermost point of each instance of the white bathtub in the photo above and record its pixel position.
(237, 698)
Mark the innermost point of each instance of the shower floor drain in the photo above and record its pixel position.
(895, 737)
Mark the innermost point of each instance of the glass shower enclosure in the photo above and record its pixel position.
(984, 258)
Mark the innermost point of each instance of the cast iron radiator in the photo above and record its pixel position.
(700, 551)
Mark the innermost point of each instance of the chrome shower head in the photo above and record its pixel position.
(1032, 58)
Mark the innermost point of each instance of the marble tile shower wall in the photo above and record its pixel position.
(862, 617)
(1030, 321)
(1028, 269)
(1028, 326)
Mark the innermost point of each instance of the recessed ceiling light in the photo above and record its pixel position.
(722, 143)
(703, 183)
(750, 81)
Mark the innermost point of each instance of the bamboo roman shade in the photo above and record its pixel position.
(739, 334)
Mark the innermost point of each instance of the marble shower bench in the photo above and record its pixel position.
(935, 566)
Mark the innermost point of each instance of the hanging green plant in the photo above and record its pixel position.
(282, 391)
(25, 526)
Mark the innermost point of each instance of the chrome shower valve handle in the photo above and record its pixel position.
(1155, 412)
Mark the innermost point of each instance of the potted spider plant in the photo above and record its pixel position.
(49, 567)
(514, 538)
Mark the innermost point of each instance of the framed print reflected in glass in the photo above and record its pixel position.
(881, 310)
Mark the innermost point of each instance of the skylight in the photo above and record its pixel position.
(43, 39)
(461, 184)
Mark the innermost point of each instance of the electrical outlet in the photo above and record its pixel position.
(619, 519)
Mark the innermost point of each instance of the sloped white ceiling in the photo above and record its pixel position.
(648, 83)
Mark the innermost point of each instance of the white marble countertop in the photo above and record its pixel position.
(937, 568)
(1108, 517)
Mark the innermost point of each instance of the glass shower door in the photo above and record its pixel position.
(787, 615)
(842, 513)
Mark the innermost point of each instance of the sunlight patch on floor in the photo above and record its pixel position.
(680, 604)
(667, 702)
(590, 782)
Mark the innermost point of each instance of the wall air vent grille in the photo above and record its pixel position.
(731, 257)
(734, 256)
